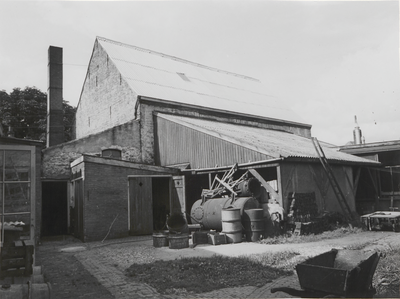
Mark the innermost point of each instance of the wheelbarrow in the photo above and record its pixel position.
(336, 273)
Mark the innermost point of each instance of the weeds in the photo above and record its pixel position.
(199, 275)
(387, 275)
(337, 233)
(282, 260)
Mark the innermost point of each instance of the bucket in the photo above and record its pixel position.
(232, 225)
(28, 290)
(178, 241)
(253, 222)
(160, 239)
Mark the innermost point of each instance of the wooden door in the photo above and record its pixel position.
(78, 210)
(140, 205)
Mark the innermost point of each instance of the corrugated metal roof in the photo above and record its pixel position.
(269, 142)
(156, 75)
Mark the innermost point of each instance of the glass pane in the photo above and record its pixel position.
(1, 198)
(17, 227)
(17, 165)
(17, 198)
(1, 165)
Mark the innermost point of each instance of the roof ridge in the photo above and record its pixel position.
(174, 58)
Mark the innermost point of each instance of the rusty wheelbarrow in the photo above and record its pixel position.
(336, 273)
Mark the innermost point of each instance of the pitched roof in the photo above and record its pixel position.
(156, 75)
(273, 143)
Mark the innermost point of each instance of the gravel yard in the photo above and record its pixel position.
(70, 279)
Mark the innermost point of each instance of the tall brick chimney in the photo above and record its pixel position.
(55, 114)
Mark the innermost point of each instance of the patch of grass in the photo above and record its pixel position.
(386, 280)
(199, 275)
(358, 246)
(281, 260)
(337, 233)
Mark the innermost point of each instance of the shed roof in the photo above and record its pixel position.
(157, 75)
(369, 148)
(277, 144)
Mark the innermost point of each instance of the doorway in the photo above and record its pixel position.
(151, 199)
(54, 208)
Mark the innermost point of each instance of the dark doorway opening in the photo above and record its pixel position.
(54, 208)
(161, 201)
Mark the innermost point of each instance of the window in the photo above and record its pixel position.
(183, 77)
(16, 166)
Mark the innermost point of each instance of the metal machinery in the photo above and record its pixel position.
(244, 191)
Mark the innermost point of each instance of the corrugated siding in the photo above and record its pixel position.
(177, 144)
(269, 143)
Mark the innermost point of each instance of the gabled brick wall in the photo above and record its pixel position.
(106, 100)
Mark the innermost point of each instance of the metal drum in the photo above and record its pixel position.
(208, 213)
(253, 222)
(232, 225)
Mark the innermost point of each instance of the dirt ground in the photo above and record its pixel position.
(70, 279)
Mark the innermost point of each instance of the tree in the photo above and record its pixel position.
(23, 113)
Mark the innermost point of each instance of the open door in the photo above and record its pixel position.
(140, 205)
(151, 197)
(76, 213)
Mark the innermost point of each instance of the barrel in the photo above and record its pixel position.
(232, 225)
(208, 213)
(27, 290)
(160, 239)
(178, 241)
(253, 222)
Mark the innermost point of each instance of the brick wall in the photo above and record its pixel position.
(105, 197)
(57, 159)
(106, 100)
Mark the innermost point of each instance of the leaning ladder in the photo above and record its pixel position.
(332, 180)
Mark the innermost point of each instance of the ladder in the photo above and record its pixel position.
(332, 180)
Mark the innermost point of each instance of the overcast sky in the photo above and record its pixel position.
(329, 60)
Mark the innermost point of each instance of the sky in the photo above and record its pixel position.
(328, 60)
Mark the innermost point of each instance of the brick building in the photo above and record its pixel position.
(153, 130)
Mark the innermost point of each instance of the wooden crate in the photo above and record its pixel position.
(16, 261)
(200, 237)
(216, 238)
